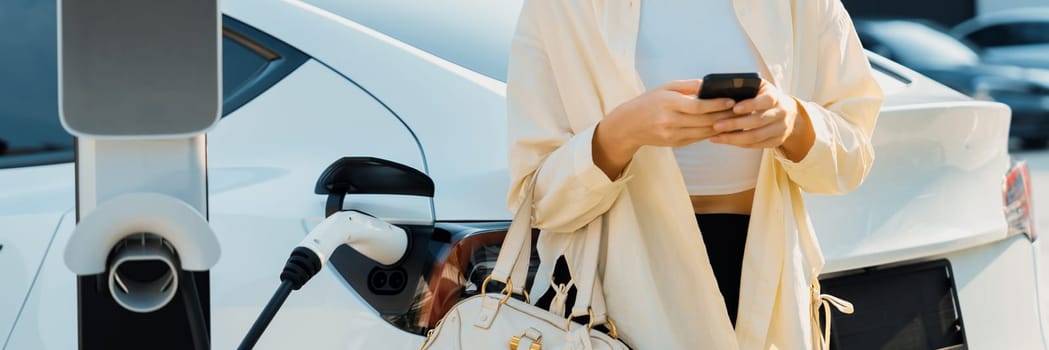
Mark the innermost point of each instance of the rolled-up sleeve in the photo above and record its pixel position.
(843, 111)
(570, 189)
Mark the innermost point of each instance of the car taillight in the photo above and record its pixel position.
(463, 269)
(1016, 197)
(463, 256)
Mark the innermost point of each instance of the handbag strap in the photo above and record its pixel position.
(587, 285)
(514, 259)
(517, 243)
(587, 278)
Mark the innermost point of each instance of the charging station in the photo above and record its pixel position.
(139, 86)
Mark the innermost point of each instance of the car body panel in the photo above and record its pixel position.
(998, 293)
(446, 29)
(910, 203)
(24, 249)
(32, 201)
(1040, 257)
(256, 166)
(52, 303)
(37, 190)
(414, 84)
(904, 87)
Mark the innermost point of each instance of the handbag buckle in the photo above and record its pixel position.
(537, 340)
(613, 332)
(508, 290)
(590, 323)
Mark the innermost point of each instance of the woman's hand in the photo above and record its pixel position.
(772, 119)
(669, 115)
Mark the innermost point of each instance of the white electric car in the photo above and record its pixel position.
(935, 249)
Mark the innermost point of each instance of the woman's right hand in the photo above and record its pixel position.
(669, 115)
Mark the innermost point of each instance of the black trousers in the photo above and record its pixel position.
(725, 237)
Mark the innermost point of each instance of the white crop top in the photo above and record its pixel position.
(687, 39)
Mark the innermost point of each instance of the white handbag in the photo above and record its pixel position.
(498, 321)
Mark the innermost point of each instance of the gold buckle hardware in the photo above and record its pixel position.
(590, 322)
(426, 341)
(508, 290)
(536, 343)
(612, 331)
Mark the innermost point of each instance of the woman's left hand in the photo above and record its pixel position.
(771, 119)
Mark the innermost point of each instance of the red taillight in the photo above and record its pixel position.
(458, 273)
(467, 263)
(461, 260)
(1016, 197)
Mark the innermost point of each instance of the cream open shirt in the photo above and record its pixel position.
(572, 62)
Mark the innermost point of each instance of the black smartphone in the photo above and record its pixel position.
(737, 86)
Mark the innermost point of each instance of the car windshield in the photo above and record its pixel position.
(919, 45)
(30, 132)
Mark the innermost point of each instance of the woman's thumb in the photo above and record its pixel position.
(686, 87)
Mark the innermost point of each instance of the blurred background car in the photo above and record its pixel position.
(925, 48)
(948, 13)
(1015, 37)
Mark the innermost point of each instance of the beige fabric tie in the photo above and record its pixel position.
(824, 302)
(557, 305)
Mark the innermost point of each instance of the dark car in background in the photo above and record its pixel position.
(925, 48)
(1016, 37)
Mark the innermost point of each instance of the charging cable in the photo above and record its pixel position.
(194, 312)
(372, 237)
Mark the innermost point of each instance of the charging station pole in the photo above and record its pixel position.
(139, 86)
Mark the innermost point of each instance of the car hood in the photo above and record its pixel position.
(33, 201)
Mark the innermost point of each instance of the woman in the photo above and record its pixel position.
(602, 108)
